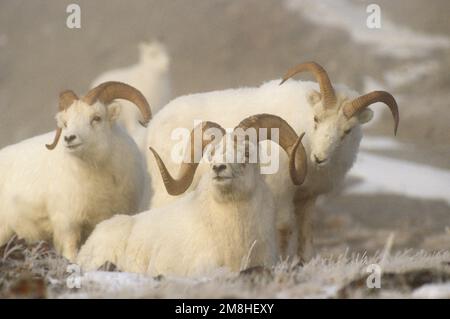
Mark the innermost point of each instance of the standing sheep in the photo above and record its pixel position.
(150, 76)
(332, 123)
(62, 192)
(227, 221)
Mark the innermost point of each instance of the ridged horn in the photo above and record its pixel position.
(288, 140)
(326, 89)
(66, 98)
(187, 170)
(362, 102)
(109, 91)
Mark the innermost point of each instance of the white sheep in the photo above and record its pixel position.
(150, 76)
(333, 131)
(228, 221)
(60, 193)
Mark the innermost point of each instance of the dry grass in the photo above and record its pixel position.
(36, 271)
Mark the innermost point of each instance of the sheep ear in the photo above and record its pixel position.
(113, 111)
(313, 97)
(365, 116)
(59, 117)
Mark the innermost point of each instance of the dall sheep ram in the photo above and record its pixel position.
(332, 123)
(228, 221)
(61, 192)
(150, 76)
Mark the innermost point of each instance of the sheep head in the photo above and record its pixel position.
(335, 115)
(233, 157)
(154, 54)
(88, 119)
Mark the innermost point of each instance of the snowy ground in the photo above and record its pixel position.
(384, 174)
(390, 39)
(37, 272)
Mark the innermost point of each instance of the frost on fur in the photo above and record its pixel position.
(90, 172)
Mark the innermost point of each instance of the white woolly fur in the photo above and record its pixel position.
(227, 221)
(299, 103)
(60, 195)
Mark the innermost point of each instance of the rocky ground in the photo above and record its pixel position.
(220, 44)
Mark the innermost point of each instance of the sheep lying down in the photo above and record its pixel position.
(227, 222)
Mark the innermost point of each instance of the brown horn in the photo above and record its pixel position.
(288, 140)
(326, 89)
(66, 98)
(187, 170)
(108, 91)
(360, 103)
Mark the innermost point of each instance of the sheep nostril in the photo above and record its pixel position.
(318, 160)
(70, 138)
(219, 168)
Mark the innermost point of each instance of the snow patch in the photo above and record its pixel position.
(373, 143)
(390, 39)
(117, 281)
(381, 174)
(409, 73)
(433, 291)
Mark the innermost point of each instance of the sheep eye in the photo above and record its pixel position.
(347, 131)
(316, 119)
(96, 119)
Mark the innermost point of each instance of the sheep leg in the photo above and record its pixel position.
(66, 241)
(304, 208)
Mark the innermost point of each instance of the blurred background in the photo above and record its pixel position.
(399, 186)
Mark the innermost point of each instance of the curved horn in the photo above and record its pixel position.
(108, 91)
(187, 170)
(66, 98)
(360, 103)
(288, 140)
(329, 97)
